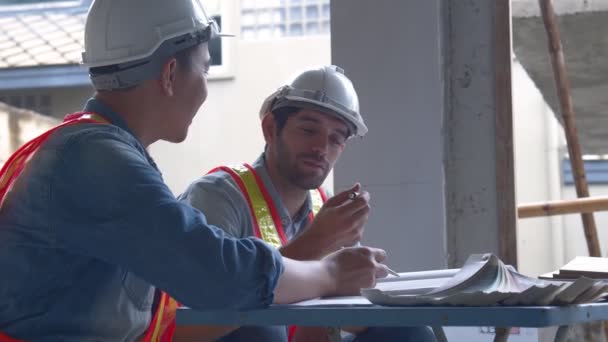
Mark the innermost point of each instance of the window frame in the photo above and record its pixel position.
(228, 12)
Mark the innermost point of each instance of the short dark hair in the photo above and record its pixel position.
(281, 115)
(184, 57)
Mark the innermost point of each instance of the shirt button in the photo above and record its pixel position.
(285, 221)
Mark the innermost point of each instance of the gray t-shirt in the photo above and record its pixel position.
(218, 196)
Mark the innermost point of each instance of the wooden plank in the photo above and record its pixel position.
(505, 170)
(561, 207)
(567, 111)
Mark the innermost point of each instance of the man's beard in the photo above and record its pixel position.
(288, 167)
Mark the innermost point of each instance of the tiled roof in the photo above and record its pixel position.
(41, 37)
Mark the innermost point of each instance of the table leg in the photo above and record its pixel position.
(501, 334)
(439, 334)
(562, 333)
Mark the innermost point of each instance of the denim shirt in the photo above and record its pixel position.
(89, 227)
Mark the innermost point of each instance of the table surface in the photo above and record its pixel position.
(373, 315)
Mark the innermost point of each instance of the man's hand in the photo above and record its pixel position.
(342, 273)
(339, 223)
(354, 268)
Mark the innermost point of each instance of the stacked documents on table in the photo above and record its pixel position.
(581, 266)
(483, 280)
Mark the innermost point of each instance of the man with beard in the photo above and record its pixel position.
(278, 198)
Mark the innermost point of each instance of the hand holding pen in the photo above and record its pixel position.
(352, 196)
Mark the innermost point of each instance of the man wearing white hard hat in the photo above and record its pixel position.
(278, 198)
(93, 244)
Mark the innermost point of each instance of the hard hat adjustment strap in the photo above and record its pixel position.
(126, 75)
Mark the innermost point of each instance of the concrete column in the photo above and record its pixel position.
(435, 90)
(392, 51)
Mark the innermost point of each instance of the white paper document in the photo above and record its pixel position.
(485, 280)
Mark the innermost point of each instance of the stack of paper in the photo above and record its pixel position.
(591, 267)
(483, 280)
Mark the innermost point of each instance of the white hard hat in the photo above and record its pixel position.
(128, 34)
(326, 89)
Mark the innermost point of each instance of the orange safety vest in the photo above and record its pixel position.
(162, 326)
(264, 214)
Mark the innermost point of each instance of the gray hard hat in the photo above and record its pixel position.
(326, 89)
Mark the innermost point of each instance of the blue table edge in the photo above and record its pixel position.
(373, 315)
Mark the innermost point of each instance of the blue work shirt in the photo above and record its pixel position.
(88, 229)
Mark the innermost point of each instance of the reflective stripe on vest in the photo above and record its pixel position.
(17, 161)
(264, 214)
(162, 326)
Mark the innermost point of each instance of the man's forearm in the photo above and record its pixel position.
(306, 247)
(302, 280)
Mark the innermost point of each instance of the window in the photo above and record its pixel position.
(37, 102)
(279, 18)
(596, 170)
(220, 49)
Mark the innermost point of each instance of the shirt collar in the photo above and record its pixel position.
(93, 105)
(259, 165)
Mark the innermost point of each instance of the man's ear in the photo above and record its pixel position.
(269, 127)
(167, 77)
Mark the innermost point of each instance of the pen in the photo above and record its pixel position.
(392, 272)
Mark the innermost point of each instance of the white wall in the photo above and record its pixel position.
(573, 227)
(538, 144)
(227, 128)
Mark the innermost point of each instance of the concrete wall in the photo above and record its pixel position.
(397, 71)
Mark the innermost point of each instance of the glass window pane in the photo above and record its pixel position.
(312, 28)
(247, 4)
(312, 12)
(248, 19)
(325, 27)
(278, 15)
(248, 33)
(295, 13)
(295, 30)
(279, 31)
(265, 32)
(325, 11)
(265, 17)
